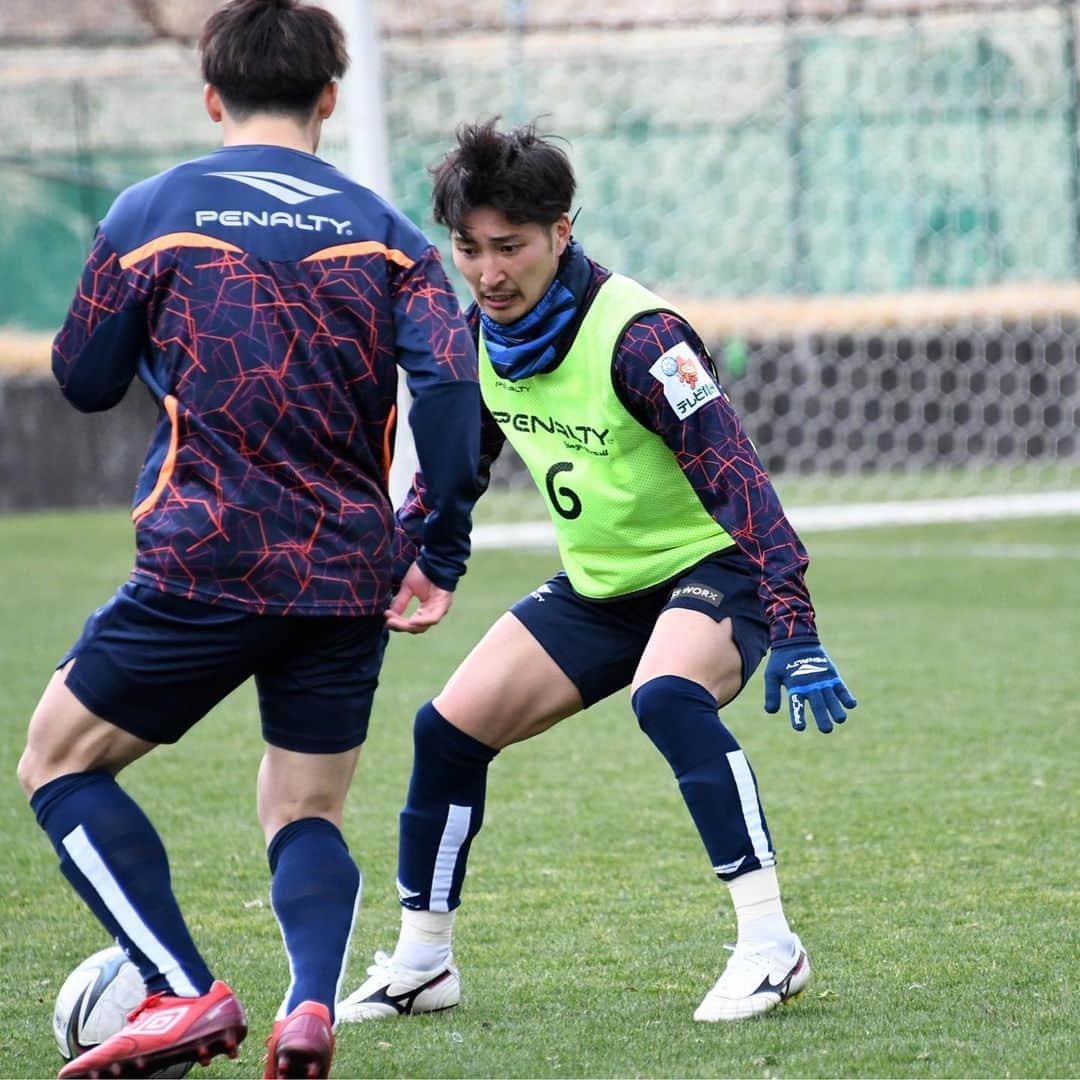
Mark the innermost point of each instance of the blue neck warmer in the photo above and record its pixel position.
(530, 345)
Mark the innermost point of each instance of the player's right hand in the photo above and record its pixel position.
(404, 552)
(433, 603)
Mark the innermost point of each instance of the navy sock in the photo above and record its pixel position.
(315, 893)
(714, 776)
(116, 862)
(443, 812)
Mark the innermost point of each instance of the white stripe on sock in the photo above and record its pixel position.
(283, 1008)
(454, 834)
(751, 807)
(348, 942)
(93, 867)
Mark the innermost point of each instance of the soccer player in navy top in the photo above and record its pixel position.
(266, 302)
(681, 572)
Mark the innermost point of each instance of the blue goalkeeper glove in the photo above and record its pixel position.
(805, 670)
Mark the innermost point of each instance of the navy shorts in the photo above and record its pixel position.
(598, 643)
(154, 664)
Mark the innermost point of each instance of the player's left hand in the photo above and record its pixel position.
(434, 603)
(804, 669)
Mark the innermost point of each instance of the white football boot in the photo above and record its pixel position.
(392, 990)
(757, 978)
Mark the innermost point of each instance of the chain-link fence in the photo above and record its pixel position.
(760, 161)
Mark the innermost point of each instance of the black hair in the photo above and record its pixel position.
(271, 55)
(517, 172)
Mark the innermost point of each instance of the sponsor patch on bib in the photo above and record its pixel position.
(687, 384)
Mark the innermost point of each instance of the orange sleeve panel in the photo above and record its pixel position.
(361, 247)
(388, 448)
(175, 240)
(167, 466)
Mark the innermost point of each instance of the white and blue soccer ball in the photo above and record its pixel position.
(94, 1003)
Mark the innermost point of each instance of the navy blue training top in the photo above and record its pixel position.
(266, 301)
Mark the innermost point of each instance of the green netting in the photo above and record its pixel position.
(862, 155)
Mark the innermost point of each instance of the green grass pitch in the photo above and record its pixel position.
(928, 850)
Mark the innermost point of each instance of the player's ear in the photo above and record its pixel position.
(327, 101)
(212, 100)
(560, 232)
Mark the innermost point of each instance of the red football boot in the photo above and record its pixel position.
(165, 1030)
(301, 1045)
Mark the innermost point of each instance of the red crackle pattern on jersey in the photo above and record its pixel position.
(266, 481)
(716, 455)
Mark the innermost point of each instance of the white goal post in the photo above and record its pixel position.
(362, 128)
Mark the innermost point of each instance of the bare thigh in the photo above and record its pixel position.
(694, 646)
(508, 688)
(66, 737)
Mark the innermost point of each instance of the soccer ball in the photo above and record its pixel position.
(94, 1003)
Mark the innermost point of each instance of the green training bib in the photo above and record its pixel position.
(625, 516)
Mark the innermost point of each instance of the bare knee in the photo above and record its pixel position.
(293, 786)
(275, 814)
(51, 750)
(64, 737)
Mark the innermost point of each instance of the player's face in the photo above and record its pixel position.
(508, 266)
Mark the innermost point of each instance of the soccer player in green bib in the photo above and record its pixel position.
(681, 571)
